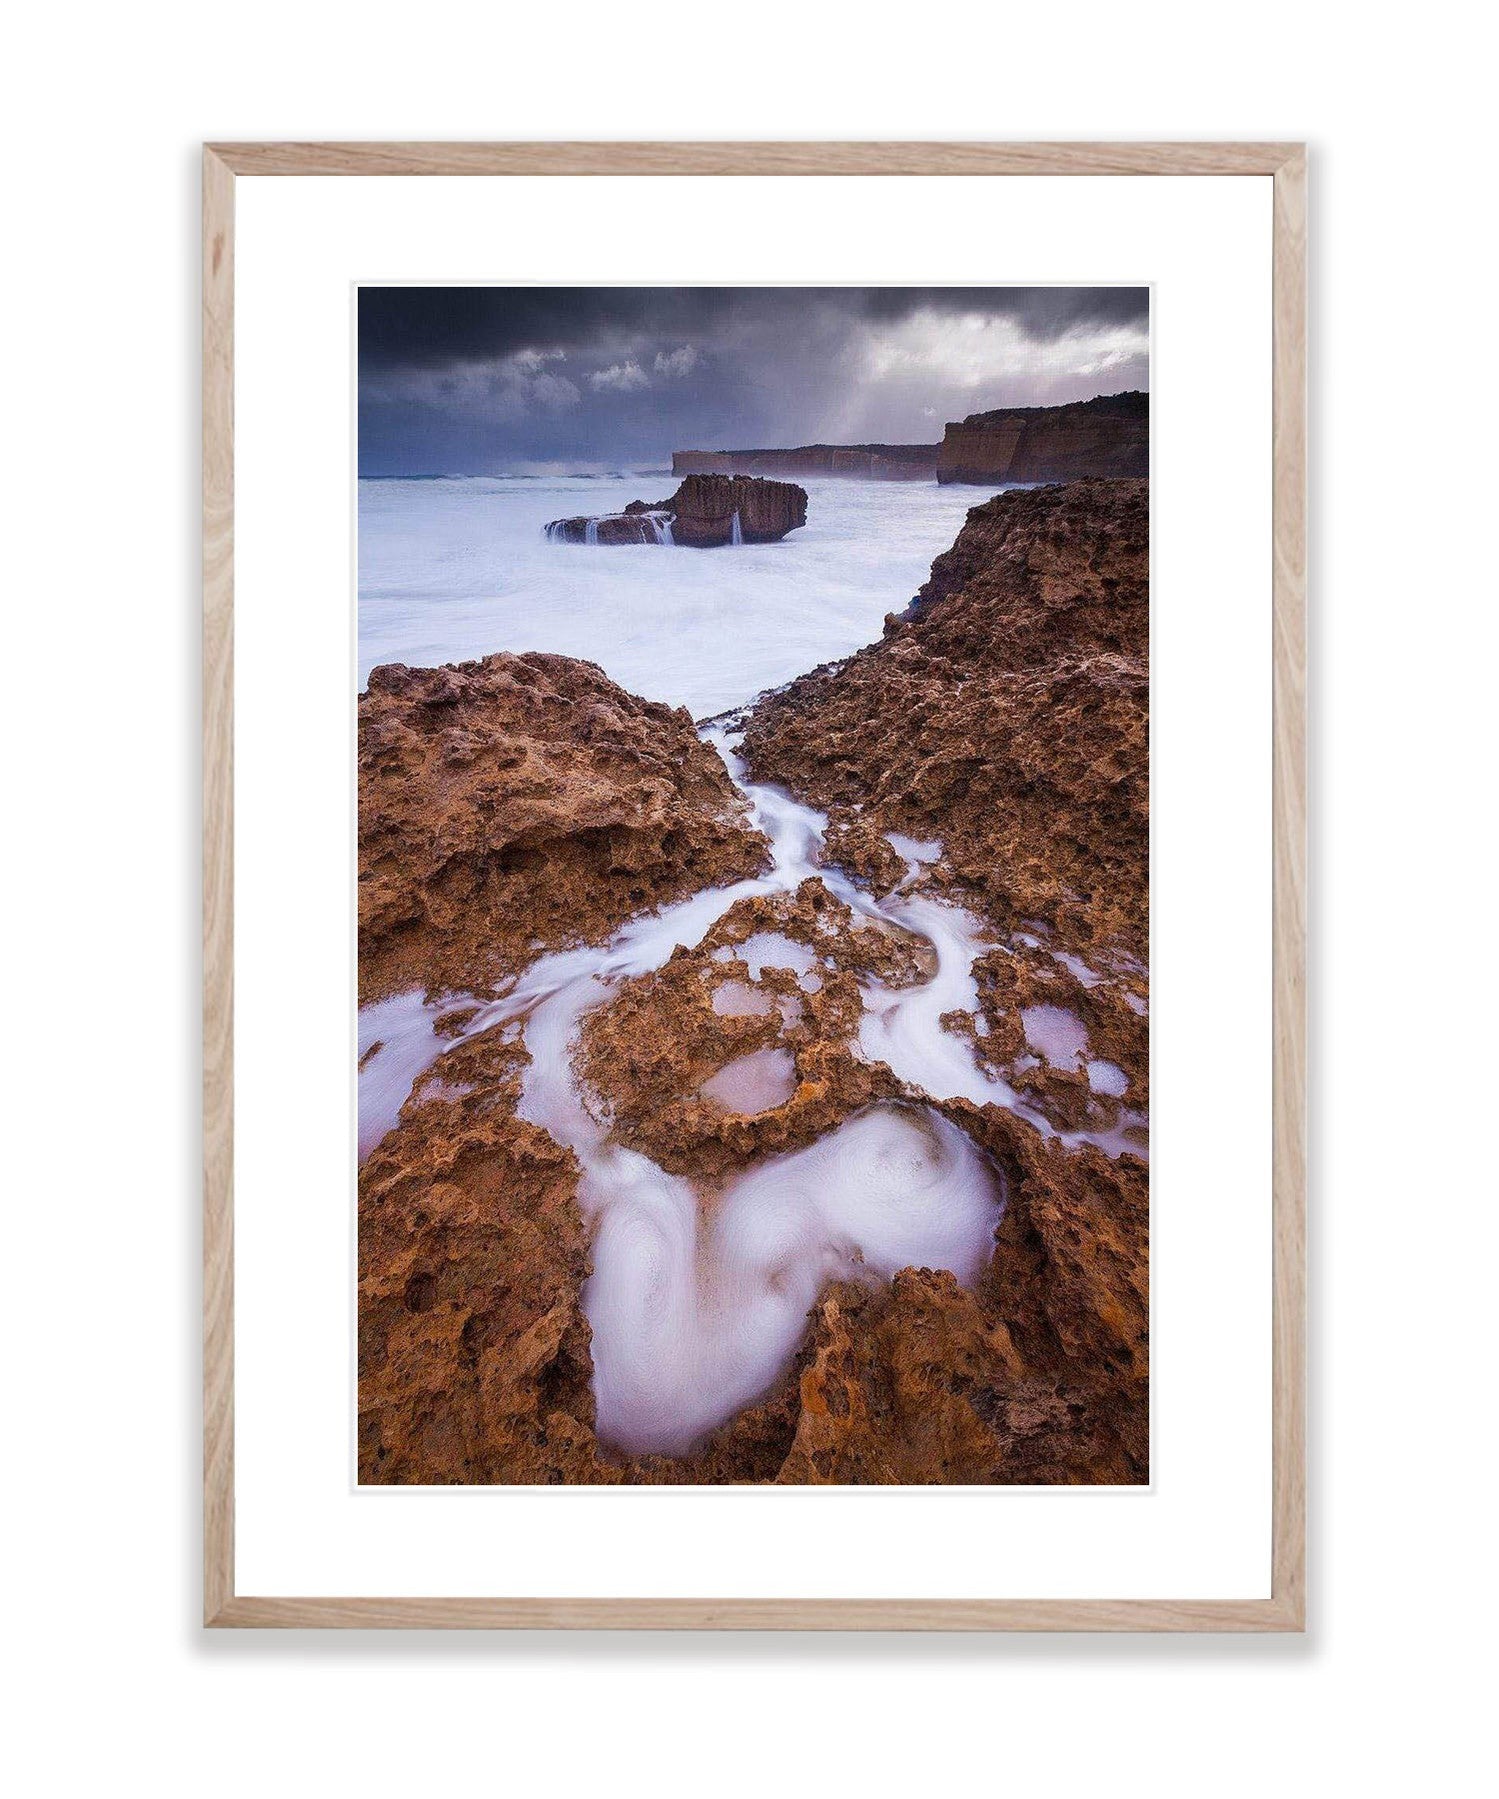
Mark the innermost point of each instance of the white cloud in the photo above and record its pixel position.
(528, 362)
(506, 389)
(549, 393)
(969, 352)
(679, 362)
(619, 377)
(896, 379)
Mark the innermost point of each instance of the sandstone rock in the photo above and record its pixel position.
(1006, 718)
(474, 1354)
(865, 462)
(1006, 715)
(920, 1384)
(699, 515)
(473, 1347)
(650, 1051)
(706, 506)
(524, 802)
(638, 523)
(1105, 437)
(474, 1360)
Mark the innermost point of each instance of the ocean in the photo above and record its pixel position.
(454, 569)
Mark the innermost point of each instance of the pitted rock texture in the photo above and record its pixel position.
(1007, 714)
(474, 1364)
(1006, 719)
(474, 1353)
(521, 803)
(650, 1051)
(475, 1359)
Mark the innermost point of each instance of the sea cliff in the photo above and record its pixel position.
(866, 462)
(1105, 437)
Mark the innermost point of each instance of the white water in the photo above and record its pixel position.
(1109, 1078)
(736, 999)
(916, 851)
(758, 1082)
(769, 949)
(452, 570)
(1056, 1034)
(736, 533)
(697, 1300)
(402, 1027)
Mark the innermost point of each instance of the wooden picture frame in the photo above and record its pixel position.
(1285, 163)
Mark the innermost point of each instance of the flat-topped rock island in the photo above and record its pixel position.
(706, 512)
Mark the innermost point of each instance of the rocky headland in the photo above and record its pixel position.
(863, 462)
(707, 511)
(985, 763)
(1107, 437)
(1104, 438)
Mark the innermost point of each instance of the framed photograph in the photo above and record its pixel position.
(754, 886)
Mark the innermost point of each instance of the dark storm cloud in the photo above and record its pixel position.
(427, 326)
(458, 380)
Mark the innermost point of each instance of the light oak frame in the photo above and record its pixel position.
(1285, 163)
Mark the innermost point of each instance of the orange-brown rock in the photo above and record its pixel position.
(524, 802)
(474, 1363)
(919, 1383)
(651, 1049)
(1007, 715)
(474, 1351)
(1006, 718)
(473, 1347)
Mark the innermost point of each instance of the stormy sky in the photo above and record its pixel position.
(488, 380)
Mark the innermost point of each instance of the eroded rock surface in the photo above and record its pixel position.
(521, 803)
(475, 1363)
(475, 1350)
(1006, 716)
(990, 751)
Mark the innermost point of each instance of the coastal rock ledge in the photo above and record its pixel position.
(706, 512)
(526, 802)
(522, 803)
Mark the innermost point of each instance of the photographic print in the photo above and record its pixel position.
(753, 886)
